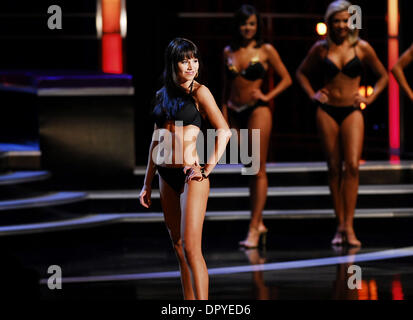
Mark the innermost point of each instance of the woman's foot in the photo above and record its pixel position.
(254, 236)
(351, 239)
(262, 228)
(338, 237)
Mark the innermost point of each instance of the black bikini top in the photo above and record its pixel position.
(352, 69)
(254, 71)
(187, 113)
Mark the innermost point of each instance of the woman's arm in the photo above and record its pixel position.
(275, 61)
(397, 70)
(145, 194)
(306, 67)
(225, 85)
(371, 59)
(209, 107)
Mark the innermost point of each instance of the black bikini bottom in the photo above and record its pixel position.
(338, 113)
(174, 177)
(242, 117)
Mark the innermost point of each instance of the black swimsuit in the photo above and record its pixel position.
(188, 114)
(241, 117)
(352, 69)
(253, 72)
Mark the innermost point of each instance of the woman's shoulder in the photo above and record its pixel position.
(364, 46)
(267, 47)
(320, 45)
(199, 89)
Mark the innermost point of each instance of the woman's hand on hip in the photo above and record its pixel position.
(193, 173)
(359, 99)
(321, 96)
(256, 94)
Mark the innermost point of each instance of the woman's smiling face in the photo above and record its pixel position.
(188, 69)
(249, 28)
(339, 24)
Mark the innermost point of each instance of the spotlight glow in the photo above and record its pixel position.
(321, 28)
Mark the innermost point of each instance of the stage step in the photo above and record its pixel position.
(97, 220)
(18, 177)
(304, 173)
(86, 221)
(312, 197)
(297, 191)
(20, 160)
(45, 200)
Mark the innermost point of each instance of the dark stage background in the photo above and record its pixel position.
(27, 43)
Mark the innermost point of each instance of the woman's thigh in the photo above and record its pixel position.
(329, 132)
(193, 207)
(171, 207)
(352, 137)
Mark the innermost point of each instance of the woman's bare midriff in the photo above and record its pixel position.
(342, 90)
(182, 146)
(241, 91)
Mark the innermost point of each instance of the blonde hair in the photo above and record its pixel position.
(333, 8)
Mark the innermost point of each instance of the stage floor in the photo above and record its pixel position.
(135, 261)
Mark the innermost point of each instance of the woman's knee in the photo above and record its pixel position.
(352, 168)
(261, 171)
(334, 169)
(191, 252)
(178, 248)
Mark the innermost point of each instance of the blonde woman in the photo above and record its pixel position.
(341, 58)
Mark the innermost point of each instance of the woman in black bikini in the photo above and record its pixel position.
(183, 183)
(398, 71)
(247, 60)
(341, 58)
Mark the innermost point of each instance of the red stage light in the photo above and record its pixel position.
(393, 56)
(111, 25)
(112, 53)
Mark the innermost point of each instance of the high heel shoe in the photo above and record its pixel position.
(254, 237)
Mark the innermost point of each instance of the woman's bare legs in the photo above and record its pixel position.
(193, 207)
(170, 201)
(261, 118)
(352, 136)
(330, 138)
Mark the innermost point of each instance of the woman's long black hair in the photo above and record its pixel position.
(171, 97)
(240, 17)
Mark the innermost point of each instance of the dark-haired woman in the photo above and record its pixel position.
(183, 183)
(341, 58)
(247, 60)
(398, 71)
